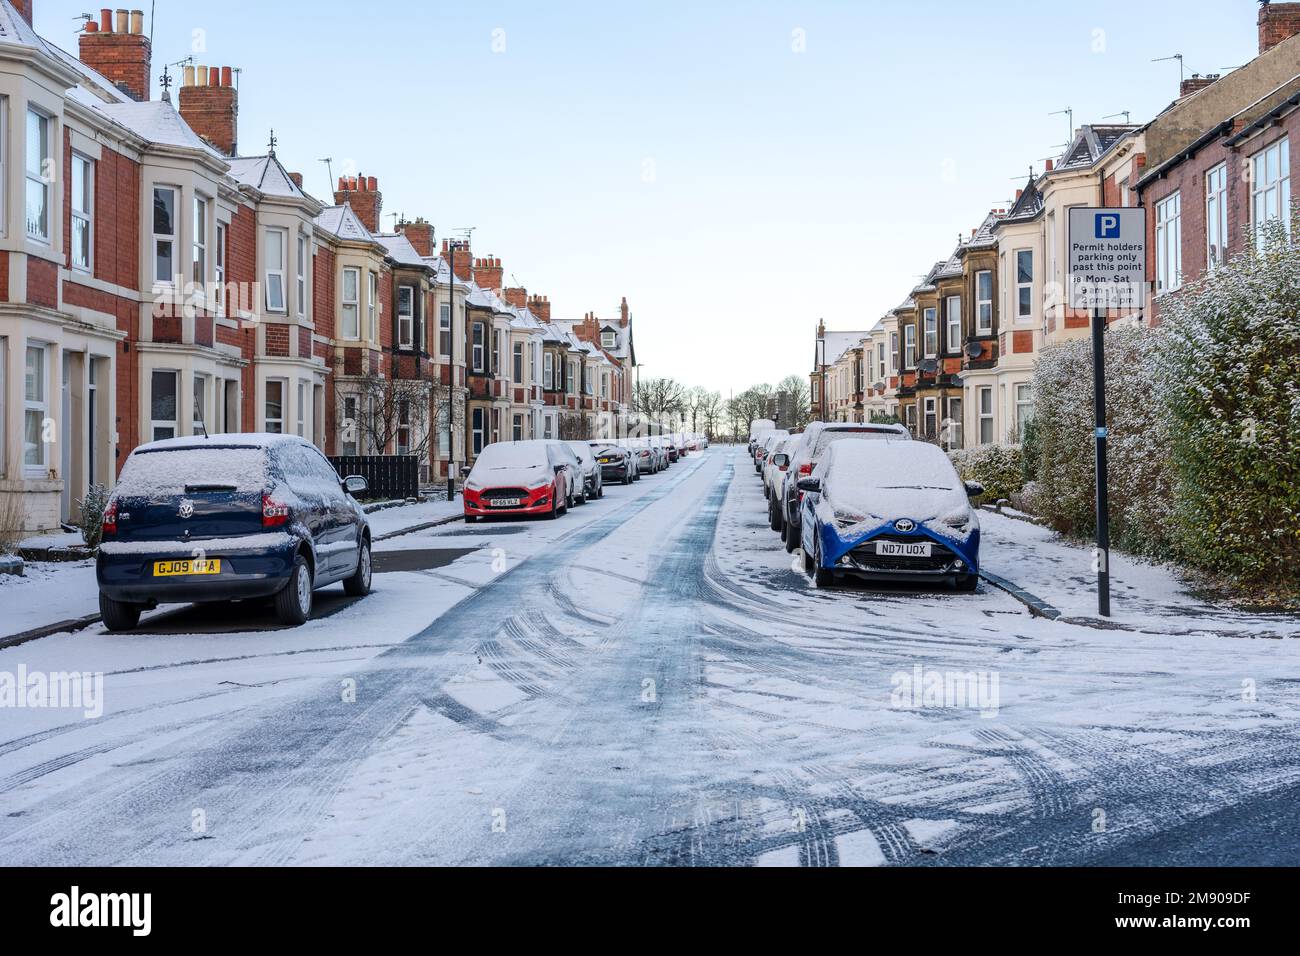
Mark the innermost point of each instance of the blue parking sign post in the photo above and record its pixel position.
(1107, 271)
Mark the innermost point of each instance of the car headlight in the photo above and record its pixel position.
(847, 519)
(958, 519)
(539, 484)
(472, 485)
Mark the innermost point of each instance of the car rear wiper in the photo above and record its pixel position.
(914, 488)
(196, 488)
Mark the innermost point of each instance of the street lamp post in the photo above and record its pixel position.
(451, 369)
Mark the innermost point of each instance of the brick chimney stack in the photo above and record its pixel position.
(464, 259)
(210, 104)
(624, 316)
(363, 195)
(24, 7)
(1277, 22)
(1196, 84)
(516, 297)
(488, 272)
(419, 234)
(121, 51)
(540, 306)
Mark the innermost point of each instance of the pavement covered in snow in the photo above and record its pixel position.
(652, 681)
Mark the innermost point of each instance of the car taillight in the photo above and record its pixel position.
(274, 514)
(805, 468)
(110, 519)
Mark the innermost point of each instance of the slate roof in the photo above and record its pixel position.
(1027, 207)
(1091, 143)
(837, 343)
(158, 122)
(401, 250)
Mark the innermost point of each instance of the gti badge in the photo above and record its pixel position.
(187, 509)
(905, 525)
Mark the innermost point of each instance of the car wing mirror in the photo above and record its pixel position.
(355, 485)
(781, 461)
(974, 489)
(813, 485)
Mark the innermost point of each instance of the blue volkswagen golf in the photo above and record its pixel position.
(892, 511)
(231, 517)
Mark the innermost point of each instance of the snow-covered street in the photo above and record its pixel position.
(651, 681)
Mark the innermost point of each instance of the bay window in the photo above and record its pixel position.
(983, 302)
(273, 258)
(372, 307)
(518, 377)
(163, 390)
(164, 234)
(1270, 188)
(931, 332)
(273, 407)
(405, 316)
(909, 346)
(1024, 284)
(219, 272)
(82, 211)
(35, 409)
(38, 177)
(444, 331)
(548, 371)
(351, 303)
(986, 414)
(476, 352)
(302, 276)
(952, 310)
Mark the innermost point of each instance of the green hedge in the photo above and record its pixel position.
(997, 467)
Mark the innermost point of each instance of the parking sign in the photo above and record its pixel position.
(1108, 258)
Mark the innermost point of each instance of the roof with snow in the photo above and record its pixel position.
(401, 250)
(158, 122)
(343, 222)
(265, 174)
(1027, 207)
(1091, 143)
(837, 343)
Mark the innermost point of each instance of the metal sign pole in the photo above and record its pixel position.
(1103, 504)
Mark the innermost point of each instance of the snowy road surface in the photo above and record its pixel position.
(649, 681)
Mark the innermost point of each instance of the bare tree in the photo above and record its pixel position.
(574, 427)
(376, 413)
(659, 398)
(710, 412)
(798, 400)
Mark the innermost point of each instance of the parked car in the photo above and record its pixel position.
(233, 517)
(813, 443)
(566, 456)
(592, 484)
(645, 456)
(778, 459)
(765, 446)
(889, 510)
(616, 463)
(660, 452)
(520, 478)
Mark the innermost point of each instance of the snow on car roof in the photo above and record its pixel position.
(515, 454)
(240, 440)
(892, 464)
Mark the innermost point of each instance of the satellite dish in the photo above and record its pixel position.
(929, 365)
(955, 379)
(879, 386)
(974, 349)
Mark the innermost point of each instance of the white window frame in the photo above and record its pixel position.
(372, 306)
(161, 238)
(83, 173)
(548, 370)
(984, 408)
(300, 413)
(570, 378)
(952, 323)
(1024, 288)
(608, 340)
(909, 346)
(172, 423)
(930, 318)
(1169, 242)
(199, 405)
(1024, 399)
(351, 305)
(1270, 198)
(406, 317)
(894, 357)
(350, 409)
(444, 330)
(219, 271)
(301, 267)
(983, 306)
(283, 386)
(39, 178)
(199, 240)
(517, 363)
(38, 406)
(478, 423)
(1216, 216)
(478, 345)
(274, 271)
(952, 427)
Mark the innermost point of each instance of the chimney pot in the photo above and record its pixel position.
(188, 75)
(123, 21)
(137, 22)
(227, 76)
(92, 26)
(201, 75)
(373, 184)
(214, 76)
(106, 20)
(1051, 165)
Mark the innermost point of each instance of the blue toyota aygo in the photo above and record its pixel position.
(889, 511)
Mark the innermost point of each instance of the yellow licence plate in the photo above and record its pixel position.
(176, 569)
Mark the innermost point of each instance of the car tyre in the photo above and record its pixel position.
(293, 601)
(773, 516)
(792, 532)
(359, 584)
(967, 583)
(822, 578)
(807, 562)
(119, 615)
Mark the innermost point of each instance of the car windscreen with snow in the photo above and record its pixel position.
(890, 479)
(162, 471)
(829, 436)
(511, 463)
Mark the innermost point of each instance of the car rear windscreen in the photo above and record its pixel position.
(829, 437)
(172, 471)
